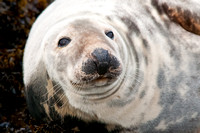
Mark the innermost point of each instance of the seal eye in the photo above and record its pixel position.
(110, 34)
(63, 42)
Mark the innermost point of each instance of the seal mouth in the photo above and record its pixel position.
(95, 82)
(98, 89)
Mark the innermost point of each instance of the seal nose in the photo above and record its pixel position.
(102, 60)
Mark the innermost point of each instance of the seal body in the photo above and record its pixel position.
(131, 64)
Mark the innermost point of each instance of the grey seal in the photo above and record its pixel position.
(133, 65)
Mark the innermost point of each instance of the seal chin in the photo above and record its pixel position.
(101, 82)
(97, 89)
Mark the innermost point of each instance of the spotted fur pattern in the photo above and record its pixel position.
(158, 45)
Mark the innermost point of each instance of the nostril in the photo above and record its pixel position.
(102, 68)
(114, 63)
(89, 67)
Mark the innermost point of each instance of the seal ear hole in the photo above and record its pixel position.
(110, 34)
(64, 42)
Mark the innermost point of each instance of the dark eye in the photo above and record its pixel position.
(110, 34)
(63, 42)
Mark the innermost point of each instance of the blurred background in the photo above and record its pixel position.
(16, 18)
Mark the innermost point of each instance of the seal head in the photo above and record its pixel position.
(84, 57)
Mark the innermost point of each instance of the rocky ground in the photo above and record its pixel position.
(16, 18)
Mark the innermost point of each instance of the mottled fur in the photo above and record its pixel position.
(157, 85)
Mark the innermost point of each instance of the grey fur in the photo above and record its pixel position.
(154, 86)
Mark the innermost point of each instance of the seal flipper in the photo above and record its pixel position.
(34, 91)
(37, 96)
(185, 13)
(34, 106)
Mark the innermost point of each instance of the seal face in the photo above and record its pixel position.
(86, 56)
(130, 64)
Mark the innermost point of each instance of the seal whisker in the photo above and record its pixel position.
(63, 104)
(51, 93)
(58, 100)
(50, 90)
(79, 85)
(136, 77)
(137, 74)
